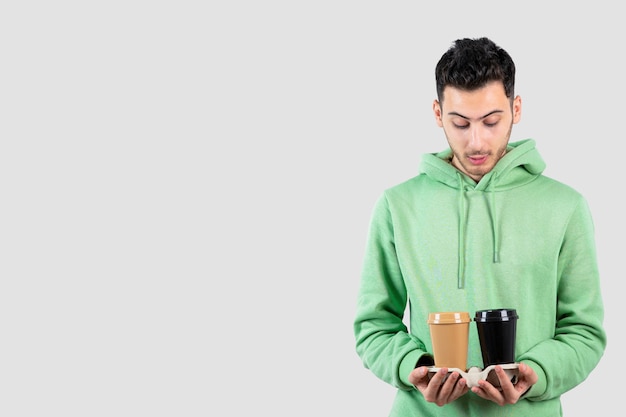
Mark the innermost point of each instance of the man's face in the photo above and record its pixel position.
(477, 125)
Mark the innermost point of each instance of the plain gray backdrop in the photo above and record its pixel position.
(186, 189)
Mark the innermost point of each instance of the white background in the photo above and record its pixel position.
(185, 189)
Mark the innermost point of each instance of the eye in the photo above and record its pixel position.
(460, 126)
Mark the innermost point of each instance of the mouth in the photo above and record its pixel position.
(477, 159)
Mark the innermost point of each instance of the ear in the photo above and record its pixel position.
(517, 109)
(437, 111)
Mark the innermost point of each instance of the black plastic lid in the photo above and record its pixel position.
(498, 314)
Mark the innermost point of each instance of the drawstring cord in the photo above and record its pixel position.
(462, 221)
(494, 223)
(463, 225)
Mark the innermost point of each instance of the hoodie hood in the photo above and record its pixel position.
(520, 165)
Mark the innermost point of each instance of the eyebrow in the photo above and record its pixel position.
(453, 113)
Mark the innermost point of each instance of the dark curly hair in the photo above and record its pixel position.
(469, 64)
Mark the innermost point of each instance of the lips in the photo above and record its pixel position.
(477, 160)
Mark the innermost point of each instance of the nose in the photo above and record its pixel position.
(476, 136)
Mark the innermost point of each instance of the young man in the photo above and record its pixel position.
(480, 227)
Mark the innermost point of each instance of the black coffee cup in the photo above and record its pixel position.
(496, 333)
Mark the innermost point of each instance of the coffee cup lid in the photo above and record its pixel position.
(497, 314)
(449, 317)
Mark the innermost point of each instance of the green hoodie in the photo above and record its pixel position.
(516, 239)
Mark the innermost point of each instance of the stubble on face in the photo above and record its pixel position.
(462, 158)
(477, 125)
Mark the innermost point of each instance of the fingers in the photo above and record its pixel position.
(527, 377)
(431, 391)
(527, 374)
(458, 389)
(441, 387)
(445, 387)
(444, 394)
(440, 377)
(419, 377)
(507, 393)
(487, 391)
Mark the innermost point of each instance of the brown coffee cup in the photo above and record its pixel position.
(449, 333)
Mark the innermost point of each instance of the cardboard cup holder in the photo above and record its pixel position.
(475, 374)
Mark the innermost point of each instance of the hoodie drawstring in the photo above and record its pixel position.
(494, 223)
(463, 225)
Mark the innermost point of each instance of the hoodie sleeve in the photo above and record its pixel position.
(382, 340)
(580, 339)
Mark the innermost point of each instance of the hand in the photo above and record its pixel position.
(442, 388)
(508, 393)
